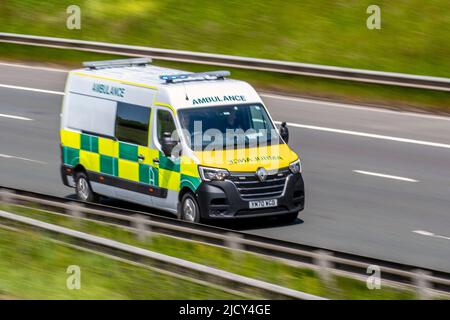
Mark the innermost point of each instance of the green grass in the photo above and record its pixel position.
(33, 267)
(246, 264)
(413, 37)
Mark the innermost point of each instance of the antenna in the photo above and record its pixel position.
(117, 63)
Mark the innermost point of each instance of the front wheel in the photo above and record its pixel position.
(83, 188)
(190, 210)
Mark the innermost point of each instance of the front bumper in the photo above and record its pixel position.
(222, 200)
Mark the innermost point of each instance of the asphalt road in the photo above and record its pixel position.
(373, 176)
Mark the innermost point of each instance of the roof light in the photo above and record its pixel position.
(117, 63)
(216, 75)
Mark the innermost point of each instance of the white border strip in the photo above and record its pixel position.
(369, 135)
(7, 86)
(387, 176)
(9, 116)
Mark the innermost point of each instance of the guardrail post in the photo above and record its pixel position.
(232, 241)
(322, 260)
(421, 283)
(138, 222)
(76, 211)
(6, 196)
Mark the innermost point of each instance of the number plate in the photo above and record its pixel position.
(263, 204)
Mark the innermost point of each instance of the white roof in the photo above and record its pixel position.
(207, 92)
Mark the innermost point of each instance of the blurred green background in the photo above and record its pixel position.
(414, 37)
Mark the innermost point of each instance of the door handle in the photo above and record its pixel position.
(141, 157)
(156, 161)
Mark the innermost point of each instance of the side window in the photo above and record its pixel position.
(165, 123)
(132, 123)
(258, 118)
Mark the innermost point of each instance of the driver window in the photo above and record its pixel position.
(165, 123)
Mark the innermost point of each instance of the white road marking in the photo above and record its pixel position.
(31, 89)
(387, 176)
(304, 126)
(9, 116)
(6, 64)
(20, 158)
(370, 135)
(354, 107)
(280, 97)
(430, 234)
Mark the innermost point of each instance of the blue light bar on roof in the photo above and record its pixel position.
(216, 75)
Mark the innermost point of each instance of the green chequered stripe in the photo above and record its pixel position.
(89, 143)
(128, 151)
(71, 156)
(109, 165)
(167, 164)
(148, 174)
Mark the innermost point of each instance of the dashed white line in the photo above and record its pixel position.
(31, 89)
(387, 176)
(430, 234)
(9, 116)
(370, 135)
(21, 158)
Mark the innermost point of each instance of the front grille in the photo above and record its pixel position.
(250, 187)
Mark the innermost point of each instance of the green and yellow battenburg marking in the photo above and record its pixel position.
(119, 159)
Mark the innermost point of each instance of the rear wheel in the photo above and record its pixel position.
(190, 210)
(83, 188)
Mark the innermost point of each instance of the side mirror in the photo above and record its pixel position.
(168, 144)
(284, 132)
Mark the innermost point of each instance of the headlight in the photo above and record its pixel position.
(210, 174)
(296, 166)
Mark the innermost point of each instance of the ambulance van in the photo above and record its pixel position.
(199, 145)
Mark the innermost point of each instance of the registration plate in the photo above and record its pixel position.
(263, 204)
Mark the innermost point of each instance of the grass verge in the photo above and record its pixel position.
(413, 37)
(33, 267)
(246, 264)
(319, 88)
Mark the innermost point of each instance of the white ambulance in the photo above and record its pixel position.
(198, 145)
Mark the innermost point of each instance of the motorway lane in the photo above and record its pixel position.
(345, 210)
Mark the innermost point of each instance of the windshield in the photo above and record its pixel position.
(232, 126)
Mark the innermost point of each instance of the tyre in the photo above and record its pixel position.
(289, 217)
(83, 188)
(189, 209)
